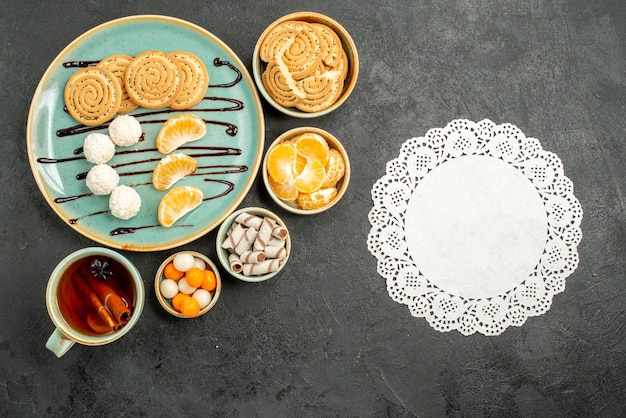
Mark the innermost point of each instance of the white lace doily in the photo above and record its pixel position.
(475, 227)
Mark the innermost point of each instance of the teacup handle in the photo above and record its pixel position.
(58, 343)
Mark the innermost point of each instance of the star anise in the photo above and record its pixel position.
(99, 269)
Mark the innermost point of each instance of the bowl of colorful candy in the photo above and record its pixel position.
(187, 284)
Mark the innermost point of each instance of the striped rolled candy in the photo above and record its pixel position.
(235, 263)
(252, 257)
(275, 252)
(245, 243)
(280, 232)
(257, 269)
(265, 233)
(251, 221)
(234, 236)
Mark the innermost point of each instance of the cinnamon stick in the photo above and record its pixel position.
(114, 303)
(109, 297)
(106, 322)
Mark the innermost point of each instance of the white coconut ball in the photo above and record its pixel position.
(124, 202)
(125, 130)
(98, 148)
(102, 179)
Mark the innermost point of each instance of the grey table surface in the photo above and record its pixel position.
(325, 339)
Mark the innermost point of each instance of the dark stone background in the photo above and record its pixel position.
(325, 339)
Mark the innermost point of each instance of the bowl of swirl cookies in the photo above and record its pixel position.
(305, 64)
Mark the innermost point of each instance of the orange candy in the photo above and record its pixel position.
(190, 307)
(209, 281)
(170, 272)
(194, 277)
(177, 301)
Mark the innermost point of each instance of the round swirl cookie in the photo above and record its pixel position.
(305, 52)
(280, 84)
(118, 64)
(320, 91)
(332, 42)
(153, 79)
(194, 78)
(92, 96)
(279, 36)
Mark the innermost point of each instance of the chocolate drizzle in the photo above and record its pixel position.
(80, 64)
(209, 104)
(231, 129)
(218, 63)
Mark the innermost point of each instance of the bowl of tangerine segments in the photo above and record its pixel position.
(306, 170)
(187, 284)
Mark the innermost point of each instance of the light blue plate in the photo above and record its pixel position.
(235, 138)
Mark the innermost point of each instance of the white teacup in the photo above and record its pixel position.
(69, 332)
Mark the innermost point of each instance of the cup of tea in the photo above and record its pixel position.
(94, 297)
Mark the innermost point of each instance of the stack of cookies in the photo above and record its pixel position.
(306, 65)
(121, 83)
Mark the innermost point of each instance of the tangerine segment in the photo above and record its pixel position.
(286, 191)
(280, 160)
(298, 165)
(335, 170)
(311, 178)
(177, 203)
(312, 147)
(179, 130)
(317, 199)
(172, 168)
